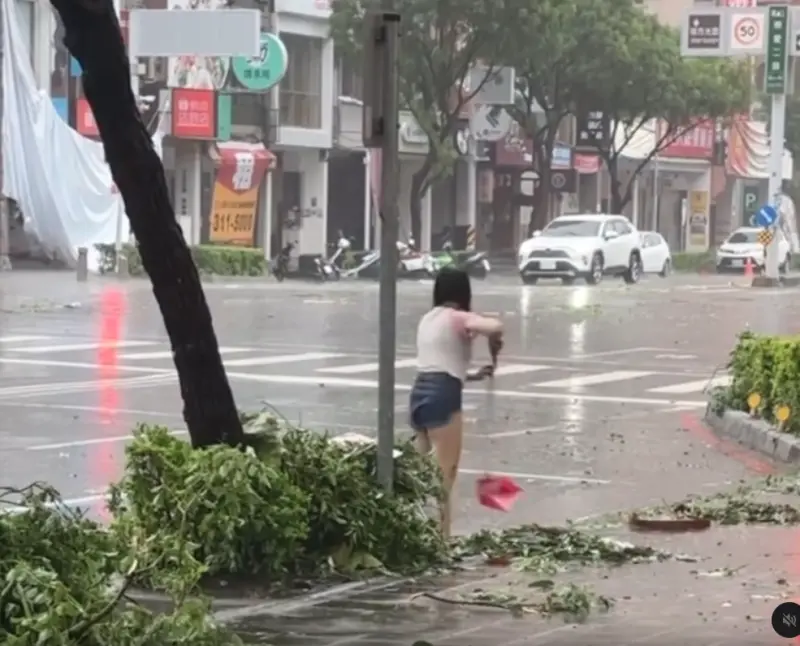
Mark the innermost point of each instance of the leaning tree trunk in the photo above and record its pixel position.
(93, 37)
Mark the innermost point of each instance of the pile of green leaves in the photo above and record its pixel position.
(64, 579)
(769, 366)
(550, 549)
(294, 503)
(768, 501)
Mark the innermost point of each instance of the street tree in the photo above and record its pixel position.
(643, 87)
(93, 37)
(550, 69)
(440, 42)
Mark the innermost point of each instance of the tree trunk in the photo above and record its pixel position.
(93, 37)
(415, 199)
(539, 211)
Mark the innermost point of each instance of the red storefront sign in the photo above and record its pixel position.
(84, 119)
(194, 113)
(586, 164)
(693, 143)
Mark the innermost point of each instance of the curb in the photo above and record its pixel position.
(755, 434)
(783, 281)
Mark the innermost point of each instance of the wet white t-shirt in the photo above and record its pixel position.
(443, 344)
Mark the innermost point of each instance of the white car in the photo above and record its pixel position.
(742, 244)
(656, 256)
(582, 246)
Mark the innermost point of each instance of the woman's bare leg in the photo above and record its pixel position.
(447, 441)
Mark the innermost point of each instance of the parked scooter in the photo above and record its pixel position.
(343, 245)
(475, 264)
(412, 263)
(280, 266)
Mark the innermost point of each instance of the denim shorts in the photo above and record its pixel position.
(435, 398)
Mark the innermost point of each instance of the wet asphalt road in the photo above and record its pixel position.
(595, 409)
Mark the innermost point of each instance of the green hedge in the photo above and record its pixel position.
(770, 367)
(694, 261)
(213, 260)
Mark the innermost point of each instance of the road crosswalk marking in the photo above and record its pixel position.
(594, 380)
(692, 386)
(349, 367)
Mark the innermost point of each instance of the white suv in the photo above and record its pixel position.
(582, 246)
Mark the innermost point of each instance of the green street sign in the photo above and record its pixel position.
(264, 71)
(750, 202)
(777, 50)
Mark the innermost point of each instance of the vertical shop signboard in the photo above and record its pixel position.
(234, 207)
(698, 220)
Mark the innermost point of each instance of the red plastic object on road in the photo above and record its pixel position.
(498, 492)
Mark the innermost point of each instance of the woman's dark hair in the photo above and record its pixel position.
(452, 287)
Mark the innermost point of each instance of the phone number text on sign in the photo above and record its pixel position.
(233, 223)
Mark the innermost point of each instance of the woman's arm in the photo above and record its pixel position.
(483, 325)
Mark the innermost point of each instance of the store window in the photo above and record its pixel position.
(301, 88)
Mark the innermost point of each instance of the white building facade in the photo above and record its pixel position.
(304, 136)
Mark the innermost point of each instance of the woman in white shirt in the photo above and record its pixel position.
(444, 350)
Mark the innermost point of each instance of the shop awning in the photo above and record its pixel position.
(225, 152)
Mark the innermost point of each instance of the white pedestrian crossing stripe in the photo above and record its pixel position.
(52, 349)
(167, 354)
(285, 358)
(593, 380)
(23, 338)
(692, 386)
(517, 369)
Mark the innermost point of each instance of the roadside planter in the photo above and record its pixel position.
(759, 408)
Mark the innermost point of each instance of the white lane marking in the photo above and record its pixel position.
(517, 433)
(68, 502)
(23, 338)
(371, 384)
(284, 358)
(75, 347)
(366, 367)
(518, 369)
(610, 353)
(692, 386)
(533, 476)
(167, 354)
(82, 364)
(92, 441)
(35, 390)
(594, 380)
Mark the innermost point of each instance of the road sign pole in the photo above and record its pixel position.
(381, 130)
(775, 83)
(778, 124)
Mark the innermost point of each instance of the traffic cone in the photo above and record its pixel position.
(748, 268)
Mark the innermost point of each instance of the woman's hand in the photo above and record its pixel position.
(484, 372)
(495, 345)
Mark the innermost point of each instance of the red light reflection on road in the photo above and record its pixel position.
(104, 468)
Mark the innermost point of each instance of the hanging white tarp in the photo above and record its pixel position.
(59, 178)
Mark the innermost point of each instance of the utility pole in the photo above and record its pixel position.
(380, 130)
(5, 221)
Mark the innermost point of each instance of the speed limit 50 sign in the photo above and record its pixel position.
(747, 33)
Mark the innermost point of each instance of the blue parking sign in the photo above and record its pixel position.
(766, 216)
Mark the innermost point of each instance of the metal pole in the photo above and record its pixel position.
(472, 180)
(5, 233)
(387, 317)
(777, 132)
(655, 194)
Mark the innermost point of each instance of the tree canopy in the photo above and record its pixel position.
(441, 41)
(609, 56)
(572, 57)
